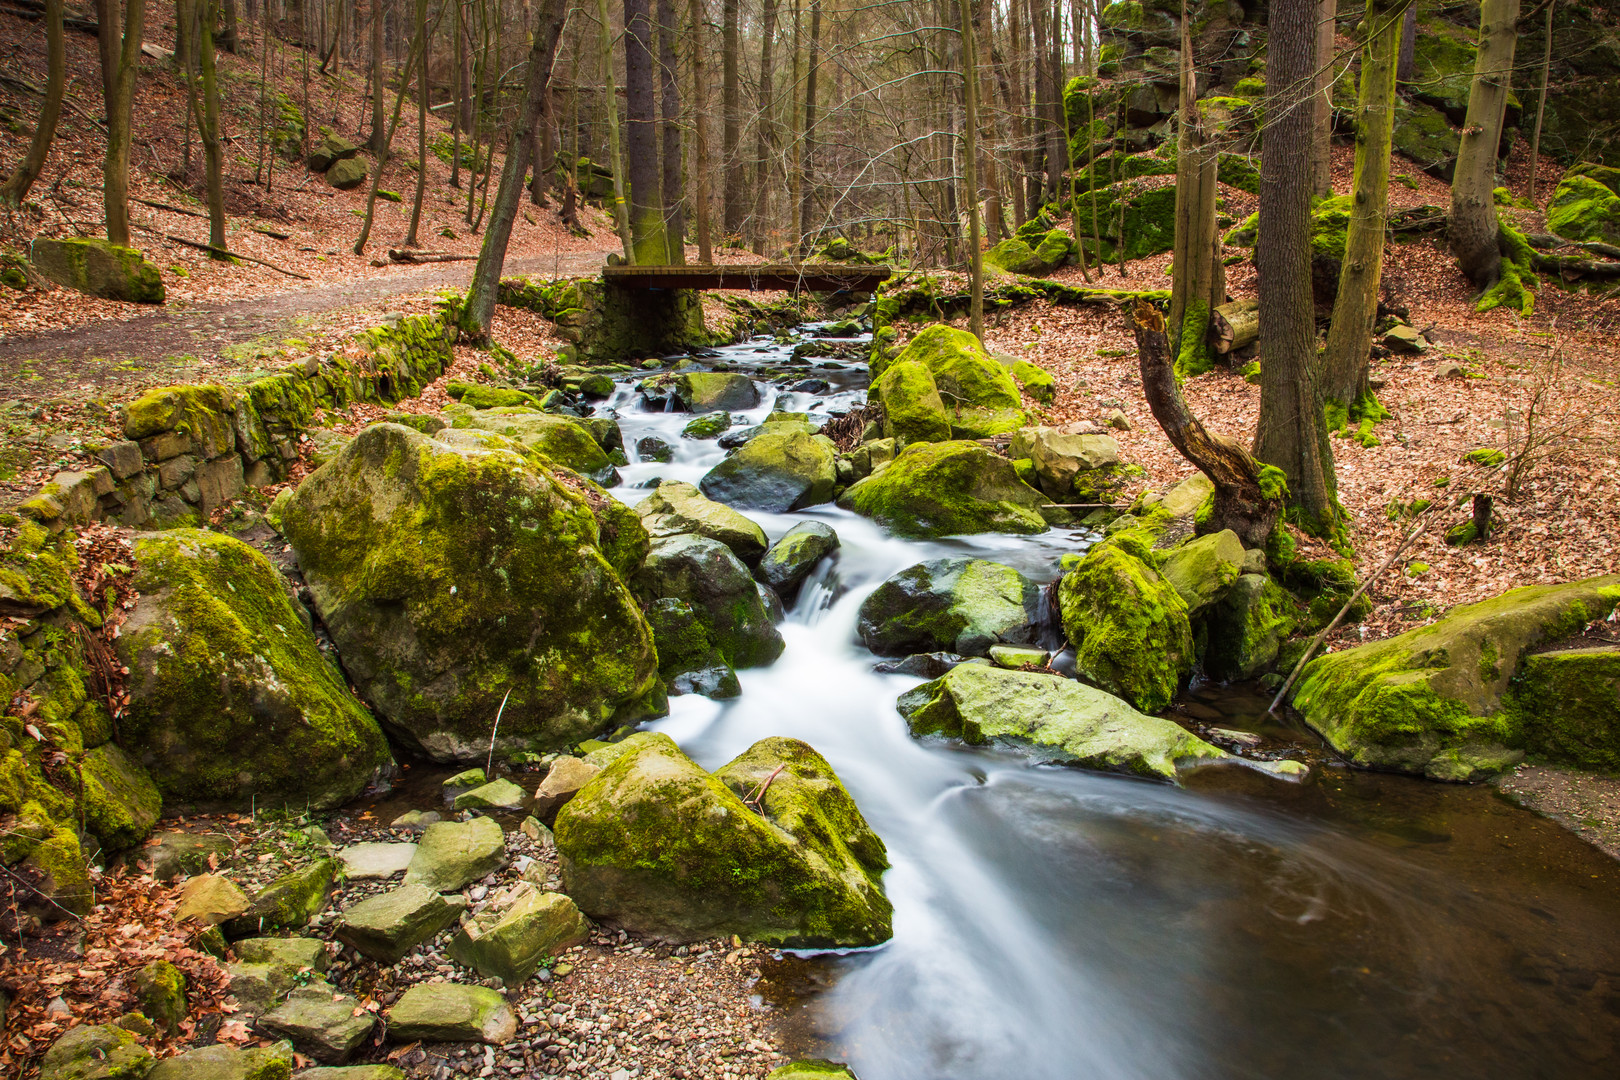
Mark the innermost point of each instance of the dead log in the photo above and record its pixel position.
(235, 255)
(1234, 326)
(1573, 266)
(274, 234)
(167, 207)
(1242, 503)
(406, 255)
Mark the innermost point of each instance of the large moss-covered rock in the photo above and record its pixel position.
(453, 853)
(1061, 719)
(1128, 626)
(387, 926)
(231, 700)
(347, 174)
(716, 584)
(783, 468)
(945, 489)
(1247, 627)
(701, 391)
(961, 606)
(1066, 462)
(1432, 700)
(1582, 208)
(223, 1061)
(658, 845)
(688, 661)
(912, 409)
(1567, 707)
(563, 439)
(98, 268)
(451, 1012)
(330, 149)
(1204, 568)
(792, 558)
(121, 802)
(676, 508)
(1423, 136)
(458, 572)
(1016, 257)
(979, 396)
(96, 1052)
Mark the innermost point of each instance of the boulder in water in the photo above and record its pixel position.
(652, 448)
(946, 489)
(1128, 626)
(791, 559)
(722, 595)
(1060, 719)
(687, 657)
(660, 846)
(676, 508)
(954, 605)
(460, 572)
(912, 409)
(783, 468)
(700, 391)
(562, 439)
(979, 394)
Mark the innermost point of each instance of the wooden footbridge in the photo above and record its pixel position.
(785, 277)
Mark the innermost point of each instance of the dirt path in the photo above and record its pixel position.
(77, 358)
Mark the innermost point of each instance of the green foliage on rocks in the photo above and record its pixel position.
(1584, 208)
(1566, 705)
(912, 409)
(120, 801)
(978, 394)
(723, 596)
(945, 489)
(1128, 625)
(561, 439)
(677, 507)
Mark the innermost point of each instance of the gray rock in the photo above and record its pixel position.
(98, 268)
(288, 902)
(499, 794)
(353, 1072)
(677, 508)
(922, 665)
(388, 926)
(791, 559)
(518, 929)
(294, 952)
(451, 1012)
(715, 583)
(347, 174)
(566, 776)
(687, 657)
(223, 1061)
(777, 471)
(258, 988)
(327, 1030)
(1060, 458)
(1014, 657)
(956, 605)
(95, 1052)
(182, 854)
(1204, 568)
(652, 448)
(452, 853)
(362, 862)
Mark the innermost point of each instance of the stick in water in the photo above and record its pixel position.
(490, 761)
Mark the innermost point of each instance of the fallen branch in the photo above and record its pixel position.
(236, 255)
(757, 797)
(28, 87)
(406, 255)
(1234, 326)
(165, 206)
(262, 230)
(1575, 266)
(1082, 506)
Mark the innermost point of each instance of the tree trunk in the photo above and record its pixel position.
(15, 189)
(621, 210)
(421, 129)
(378, 133)
(1198, 275)
(185, 32)
(480, 76)
(641, 137)
(1292, 432)
(699, 45)
(1473, 231)
(479, 310)
(227, 40)
(1541, 105)
(120, 118)
(731, 127)
(970, 95)
(1322, 104)
(765, 131)
(1355, 308)
(1235, 326)
(1408, 56)
(807, 165)
(1244, 502)
(382, 158)
(463, 69)
(1057, 154)
(208, 127)
(989, 189)
(669, 102)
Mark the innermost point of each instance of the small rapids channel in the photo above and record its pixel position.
(1056, 923)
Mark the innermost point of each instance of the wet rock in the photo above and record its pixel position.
(442, 566)
(208, 900)
(700, 391)
(1203, 569)
(565, 777)
(810, 386)
(387, 926)
(288, 902)
(415, 820)
(450, 1012)
(1128, 625)
(984, 399)
(953, 605)
(707, 426)
(465, 780)
(783, 468)
(160, 990)
(226, 1062)
(231, 699)
(95, 1052)
(1247, 628)
(912, 408)
(658, 845)
(812, 1069)
(1060, 719)
(946, 489)
(676, 508)
(687, 657)
(182, 854)
(791, 559)
(327, 1027)
(706, 575)
(499, 794)
(1015, 657)
(652, 448)
(453, 853)
(353, 1072)
(1567, 703)
(363, 862)
(922, 665)
(518, 929)
(562, 439)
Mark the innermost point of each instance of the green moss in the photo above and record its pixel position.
(1514, 288)
(1488, 456)
(978, 394)
(480, 396)
(948, 488)
(912, 409)
(1273, 483)
(65, 878)
(1566, 707)
(36, 570)
(1193, 355)
(120, 800)
(1584, 208)
(1128, 626)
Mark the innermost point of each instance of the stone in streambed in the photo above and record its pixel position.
(294, 952)
(1203, 569)
(209, 900)
(327, 1027)
(352, 1072)
(562, 439)
(1015, 657)
(812, 1069)
(499, 794)
(518, 929)
(362, 862)
(922, 665)
(652, 448)
(1567, 703)
(288, 902)
(955, 605)
(784, 468)
(1068, 466)
(947, 489)
(182, 854)
(451, 1012)
(658, 845)
(464, 780)
(706, 575)
(912, 409)
(980, 396)
(1060, 719)
(223, 1061)
(453, 853)
(1128, 625)
(1247, 628)
(791, 559)
(563, 780)
(687, 657)
(676, 508)
(387, 926)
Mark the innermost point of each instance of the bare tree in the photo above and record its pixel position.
(1472, 229)
(1198, 282)
(731, 130)
(421, 128)
(669, 102)
(15, 189)
(702, 166)
(120, 94)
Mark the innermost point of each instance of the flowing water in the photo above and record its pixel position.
(1054, 923)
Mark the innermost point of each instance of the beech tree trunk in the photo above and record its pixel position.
(208, 127)
(421, 131)
(378, 132)
(1541, 104)
(1473, 231)
(1408, 55)
(1242, 503)
(15, 189)
(479, 310)
(700, 130)
(382, 158)
(970, 95)
(669, 102)
(1292, 431)
(765, 130)
(807, 165)
(985, 172)
(1355, 308)
(641, 137)
(1198, 277)
(227, 38)
(1322, 105)
(621, 209)
(731, 133)
(120, 118)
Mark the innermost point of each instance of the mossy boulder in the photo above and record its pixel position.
(812, 1069)
(330, 149)
(1061, 720)
(451, 854)
(1032, 379)
(223, 1061)
(510, 937)
(484, 396)
(562, 439)
(1583, 208)
(96, 1052)
(676, 508)
(1203, 569)
(121, 802)
(347, 174)
(231, 701)
(1247, 626)
(98, 268)
(722, 594)
(962, 606)
(160, 990)
(387, 926)
(1567, 707)
(1016, 257)
(946, 489)
(287, 903)
(1065, 462)
(688, 661)
(912, 409)
(1434, 700)
(783, 468)
(459, 572)
(1128, 625)
(978, 394)
(701, 391)
(660, 846)
(792, 558)
(451, 1012)
(1423, 136)
(707, 426)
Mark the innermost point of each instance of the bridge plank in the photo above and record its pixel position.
(809, 277)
